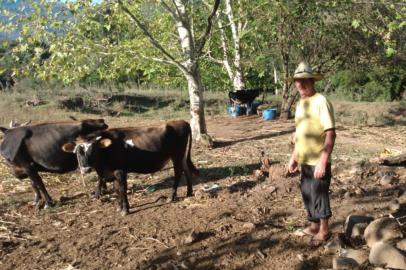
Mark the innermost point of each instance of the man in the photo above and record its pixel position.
(314, 142)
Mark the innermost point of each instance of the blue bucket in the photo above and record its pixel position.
(269, 114)
(238, 110)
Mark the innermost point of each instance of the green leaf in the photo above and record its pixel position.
(355, 23)
(390, 51)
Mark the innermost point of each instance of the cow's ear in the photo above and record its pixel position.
(104, 143)
(69, 147)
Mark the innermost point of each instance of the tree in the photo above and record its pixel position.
(192, 50)
(82, 37)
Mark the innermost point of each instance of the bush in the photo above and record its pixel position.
(377, 84)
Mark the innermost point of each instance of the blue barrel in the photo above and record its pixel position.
(269, 114)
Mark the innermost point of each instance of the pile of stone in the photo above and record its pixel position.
(369, 242)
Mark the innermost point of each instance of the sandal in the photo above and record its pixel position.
(315, 243)
(301, 232)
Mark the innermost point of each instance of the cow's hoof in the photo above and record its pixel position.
(172, 200)
(49, 205)
(34, 203)
(124, 213)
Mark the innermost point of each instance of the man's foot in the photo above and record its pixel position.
(308, 231)
(319, 240)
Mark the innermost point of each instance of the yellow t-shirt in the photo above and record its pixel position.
(313, 117)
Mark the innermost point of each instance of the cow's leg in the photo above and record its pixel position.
(100, 188)
(177, 167)
(39, 186)
(249, 108)
(189, 177)
(37, 197)
(121, 189)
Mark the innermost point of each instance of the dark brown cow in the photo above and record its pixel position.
(115, 152)
(37, 148)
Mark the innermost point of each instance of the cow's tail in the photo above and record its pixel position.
(187, 160)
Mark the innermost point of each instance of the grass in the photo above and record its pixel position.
(131, 104)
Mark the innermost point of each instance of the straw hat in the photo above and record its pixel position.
(305, 71)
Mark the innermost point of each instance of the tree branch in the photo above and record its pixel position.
(175, 15)
(208, 28)
(153, 41)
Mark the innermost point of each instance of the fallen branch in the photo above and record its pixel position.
(156, 240)
(7, 222)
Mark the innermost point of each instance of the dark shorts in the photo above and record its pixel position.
(315, 193)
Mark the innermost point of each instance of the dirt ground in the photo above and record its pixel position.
(245, 224)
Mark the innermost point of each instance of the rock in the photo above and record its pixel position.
(359, 191)
(343, 263)
(352, 220)
(383, 229)
(301, 257)
(348, 194)
(383, 254)
(358, 230)
(387, 180)
(401, 245)
(192, 237)
(270, 189)
(334, 246)
(248, 225)
(183, 265)
(358, 255)
(394, 205)
(259, 175)
(353, 171)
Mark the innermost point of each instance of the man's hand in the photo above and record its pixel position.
(292, 166)
(320, 171)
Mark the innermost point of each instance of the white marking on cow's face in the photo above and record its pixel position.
(85, 146)
(130, 143)
(82, 151)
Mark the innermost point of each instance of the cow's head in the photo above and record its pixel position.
(14, 125)
(91, 125)
(86, 151)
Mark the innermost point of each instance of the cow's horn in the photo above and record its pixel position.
(12, 124)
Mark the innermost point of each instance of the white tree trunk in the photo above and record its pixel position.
(238, 78)
(192, 73)
(224, 47)
(275, 77)
(195, 86)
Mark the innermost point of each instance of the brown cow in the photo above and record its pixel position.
(37, 148)
(115, 152)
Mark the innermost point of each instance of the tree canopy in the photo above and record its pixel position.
(98, 42)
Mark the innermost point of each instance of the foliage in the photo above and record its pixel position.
(359, 43)
(377, 84)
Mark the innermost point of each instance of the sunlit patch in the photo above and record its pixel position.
(130, 143)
